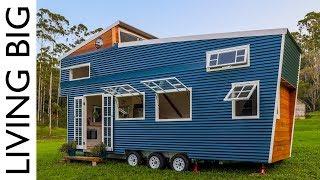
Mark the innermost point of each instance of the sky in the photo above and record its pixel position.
(169, 18)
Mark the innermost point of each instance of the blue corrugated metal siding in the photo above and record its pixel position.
(212, 133)
(70, 118)
(291, 58)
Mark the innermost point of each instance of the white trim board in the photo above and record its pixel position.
(265, 32)
(295, 105)
(276, 103)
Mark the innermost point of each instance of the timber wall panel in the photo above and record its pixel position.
(90, 46)
(284, 125)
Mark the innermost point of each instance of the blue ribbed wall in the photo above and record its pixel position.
(212, 133)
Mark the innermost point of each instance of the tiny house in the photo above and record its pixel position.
(223, 97)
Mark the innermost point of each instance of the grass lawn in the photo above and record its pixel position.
(304, 164)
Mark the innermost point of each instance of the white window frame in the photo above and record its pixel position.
(129, 95)
(128, 32)
(76, 126)
(114, 91)
(233, 65)
(257, 83)
(175, 119)
(228, 98)
(78, 66)
(174, 87)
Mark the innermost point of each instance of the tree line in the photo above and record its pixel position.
(308, 38)
(56, 36)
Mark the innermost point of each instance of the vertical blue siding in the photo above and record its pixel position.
(212, 133)
(70, 123)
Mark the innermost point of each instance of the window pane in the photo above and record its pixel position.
(226, 58)
(130, 107)
(248, 87)
(174, 105)
(213, 63)
(240, 59)
(234, 94)
(247, 107)
(80, 72)
(214, 56)
(240, 52)
(244, 94)
(126, 37)
(238, 88)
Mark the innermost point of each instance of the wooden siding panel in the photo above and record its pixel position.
(115, 35)
(212, 133)
(90, 46)
(284, 125)
(109, 38)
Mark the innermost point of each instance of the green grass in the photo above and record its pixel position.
(304, 163)
(57, 133)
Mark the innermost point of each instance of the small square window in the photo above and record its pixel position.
(245, 100)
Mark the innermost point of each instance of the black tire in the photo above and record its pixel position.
(180, 162)
(137, 158)
(156, 161)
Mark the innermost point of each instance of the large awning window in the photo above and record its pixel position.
(240, 92)
(122, 90)
(165, 85)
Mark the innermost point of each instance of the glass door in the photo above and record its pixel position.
(108, 121)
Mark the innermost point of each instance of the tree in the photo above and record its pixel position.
(55, 36)
(51, 26)
(308, 38)
(78, 33)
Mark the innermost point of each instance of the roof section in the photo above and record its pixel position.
(117, 23)
(135, 30)
(207, 36)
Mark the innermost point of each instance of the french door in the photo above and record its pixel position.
(78, 121)
(108, 121)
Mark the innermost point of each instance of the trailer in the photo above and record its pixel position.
(220, 97)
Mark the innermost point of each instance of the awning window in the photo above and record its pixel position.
(121, 90)
(240, 92)
(165, 85)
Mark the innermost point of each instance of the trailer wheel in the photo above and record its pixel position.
(156, 161)
(179, 162)
(134, 158)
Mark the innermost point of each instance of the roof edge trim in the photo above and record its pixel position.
(265, 32)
